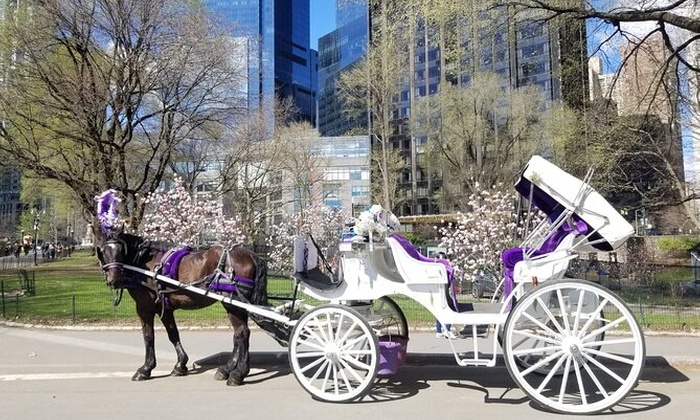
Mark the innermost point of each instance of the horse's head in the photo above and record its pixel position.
(112, 252)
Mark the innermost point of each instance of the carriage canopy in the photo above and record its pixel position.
(554, 192)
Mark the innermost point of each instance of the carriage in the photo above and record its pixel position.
(571, 345)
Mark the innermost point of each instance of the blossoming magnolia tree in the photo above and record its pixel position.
(173, 215)
(479, 237)
(322, 222)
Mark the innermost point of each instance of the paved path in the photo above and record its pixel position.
(84, 375)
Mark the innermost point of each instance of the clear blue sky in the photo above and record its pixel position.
(322, 19)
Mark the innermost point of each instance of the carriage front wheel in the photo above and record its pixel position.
(334, 353)
(584, 348)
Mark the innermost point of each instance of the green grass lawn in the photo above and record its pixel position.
(72, 291)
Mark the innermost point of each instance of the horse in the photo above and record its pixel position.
(118, 249)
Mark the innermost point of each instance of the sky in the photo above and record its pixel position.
(322, 19)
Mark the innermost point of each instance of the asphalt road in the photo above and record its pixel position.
(68, 374)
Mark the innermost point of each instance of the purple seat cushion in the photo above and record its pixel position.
(512, 256)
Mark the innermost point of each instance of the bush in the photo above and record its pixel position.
(678, 246)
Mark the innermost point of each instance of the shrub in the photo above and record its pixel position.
(677, 245)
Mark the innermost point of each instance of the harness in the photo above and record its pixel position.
(165, 277)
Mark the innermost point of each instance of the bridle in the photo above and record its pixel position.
(126, 283)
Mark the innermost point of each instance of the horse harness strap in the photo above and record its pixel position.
(167, 266)
(221, 281)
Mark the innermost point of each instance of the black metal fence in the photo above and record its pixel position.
(92, 303)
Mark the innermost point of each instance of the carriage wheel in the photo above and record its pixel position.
(387, 318)
(584, 348)
(334, 353)
(540, 346)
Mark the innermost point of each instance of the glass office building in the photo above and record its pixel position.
(279, 58)
(522, 51)
(338, 51)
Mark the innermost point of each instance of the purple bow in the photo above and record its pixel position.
(107, 213)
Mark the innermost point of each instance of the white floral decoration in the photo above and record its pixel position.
(376, 223)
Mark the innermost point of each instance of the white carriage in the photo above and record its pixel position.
(571, 345)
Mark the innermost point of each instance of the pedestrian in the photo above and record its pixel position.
(439, 331)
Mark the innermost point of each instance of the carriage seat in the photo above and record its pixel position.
(549, 261)
(306, 269)
(418, 269)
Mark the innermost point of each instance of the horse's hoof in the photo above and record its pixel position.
(221, 375)
(140, 376)
(179, 371)
(233, 381)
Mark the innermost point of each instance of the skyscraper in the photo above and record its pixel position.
(523, 50)
(338, 51)
(279, 58)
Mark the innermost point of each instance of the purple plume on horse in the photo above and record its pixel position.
(107, 213)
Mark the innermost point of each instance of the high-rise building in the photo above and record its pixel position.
(338, 51)
(279, 58)
(524, 51)
(10, 206)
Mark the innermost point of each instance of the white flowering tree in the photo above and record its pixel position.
(478, 238)
(174, 215)
(322, 222)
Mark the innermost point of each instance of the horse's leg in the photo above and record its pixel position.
(146, 315)
(168, 320)
(238, 366)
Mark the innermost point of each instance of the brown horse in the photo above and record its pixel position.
(238, 274)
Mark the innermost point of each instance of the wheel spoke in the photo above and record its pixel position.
(551, 316)
(314, 335)
(348, 366)
(565, 379)
(608, 342)
(604, 369)
(577, 318)
(581, 387)
(595, 380)
(587, 325)
(534, 336)
(611, 356)
(604, 328)
(551, 373)
(541, 325)
(309, 354)
(562, 309)
(541, 363)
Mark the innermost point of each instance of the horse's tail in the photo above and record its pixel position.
(259, 296)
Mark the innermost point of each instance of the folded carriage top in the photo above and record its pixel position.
(554, 191)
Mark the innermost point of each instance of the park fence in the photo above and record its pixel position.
(92, 303)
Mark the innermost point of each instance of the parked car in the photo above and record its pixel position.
(691, 288)
(484, 284)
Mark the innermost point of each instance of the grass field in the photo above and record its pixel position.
(72, 291)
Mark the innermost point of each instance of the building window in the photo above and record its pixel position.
(532, 50)
(531, 69)
(360, 191)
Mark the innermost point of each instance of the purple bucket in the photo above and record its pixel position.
(392, 354)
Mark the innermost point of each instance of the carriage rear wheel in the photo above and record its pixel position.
(584, 348)
(334, 353)
(387, 319)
